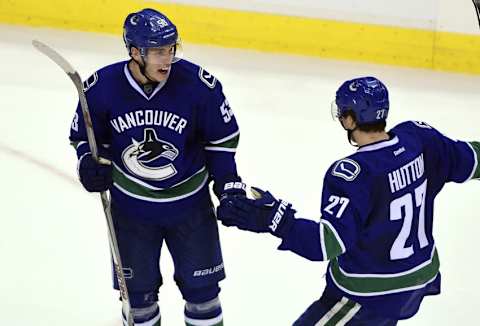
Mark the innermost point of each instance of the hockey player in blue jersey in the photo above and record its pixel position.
(376, 213)
(167, 128)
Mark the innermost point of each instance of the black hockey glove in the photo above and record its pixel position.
(263, 214)
(225, 191)
(95, 177)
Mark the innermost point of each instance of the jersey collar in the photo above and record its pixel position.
(137, 87)
(379, 145)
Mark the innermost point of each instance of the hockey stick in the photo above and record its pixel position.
(77, 81)
(476, 3)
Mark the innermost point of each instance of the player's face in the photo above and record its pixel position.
(158, 61)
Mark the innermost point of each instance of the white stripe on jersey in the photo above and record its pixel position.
(370, 294)
(335, 310)
(349, 315)
(322, 241)
(383, 144)
(337, 236)
(475, 163)
(332, 312)
(220, 149)
(409, 271)
(224, 139)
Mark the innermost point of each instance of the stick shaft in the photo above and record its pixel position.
(77, 81)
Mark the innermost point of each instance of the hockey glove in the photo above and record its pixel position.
(227, 191)
(263, 214)
(95, 176)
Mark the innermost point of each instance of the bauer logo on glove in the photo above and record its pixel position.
(264, 213)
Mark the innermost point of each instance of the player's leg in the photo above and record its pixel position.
(139, 246)
(202, 306)
(337, 310)
(196, 253)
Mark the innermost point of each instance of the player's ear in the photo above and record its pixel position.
(353, 123)
(135, 53)
(349, 122)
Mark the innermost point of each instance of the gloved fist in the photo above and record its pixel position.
(263, 214)
(227, 191)
(95, 176)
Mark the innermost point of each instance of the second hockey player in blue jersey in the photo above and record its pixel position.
(377, 213)
(168, 130)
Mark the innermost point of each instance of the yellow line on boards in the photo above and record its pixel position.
(264, 32)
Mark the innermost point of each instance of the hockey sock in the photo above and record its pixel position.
(148, 316)
(204, 314)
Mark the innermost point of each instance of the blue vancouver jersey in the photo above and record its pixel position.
(377, 216)
(165, 143)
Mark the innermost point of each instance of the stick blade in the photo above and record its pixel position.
(54, 55)
(476, 3)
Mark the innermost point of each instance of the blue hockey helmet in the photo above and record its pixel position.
(366, 96)
(149, 28)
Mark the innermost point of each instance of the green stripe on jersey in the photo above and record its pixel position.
(230, 143)
(180, 190)
(366, 285)
(332, 246)
(476, 148)
(74, 144)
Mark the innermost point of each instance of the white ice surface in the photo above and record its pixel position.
(54, 257)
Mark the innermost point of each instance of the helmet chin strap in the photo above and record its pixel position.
(349, 134)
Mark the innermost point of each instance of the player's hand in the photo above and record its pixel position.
(263, 214)
(95, 176)
(229, 191)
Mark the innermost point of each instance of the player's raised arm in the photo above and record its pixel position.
(456, 160)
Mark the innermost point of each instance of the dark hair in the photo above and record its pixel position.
(370, 127)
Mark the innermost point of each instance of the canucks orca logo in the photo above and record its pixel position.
(140, 157)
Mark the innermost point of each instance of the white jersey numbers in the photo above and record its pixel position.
(210, 80)
(75, 122)
(335, 201)
(226, 111)
(402, 208)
